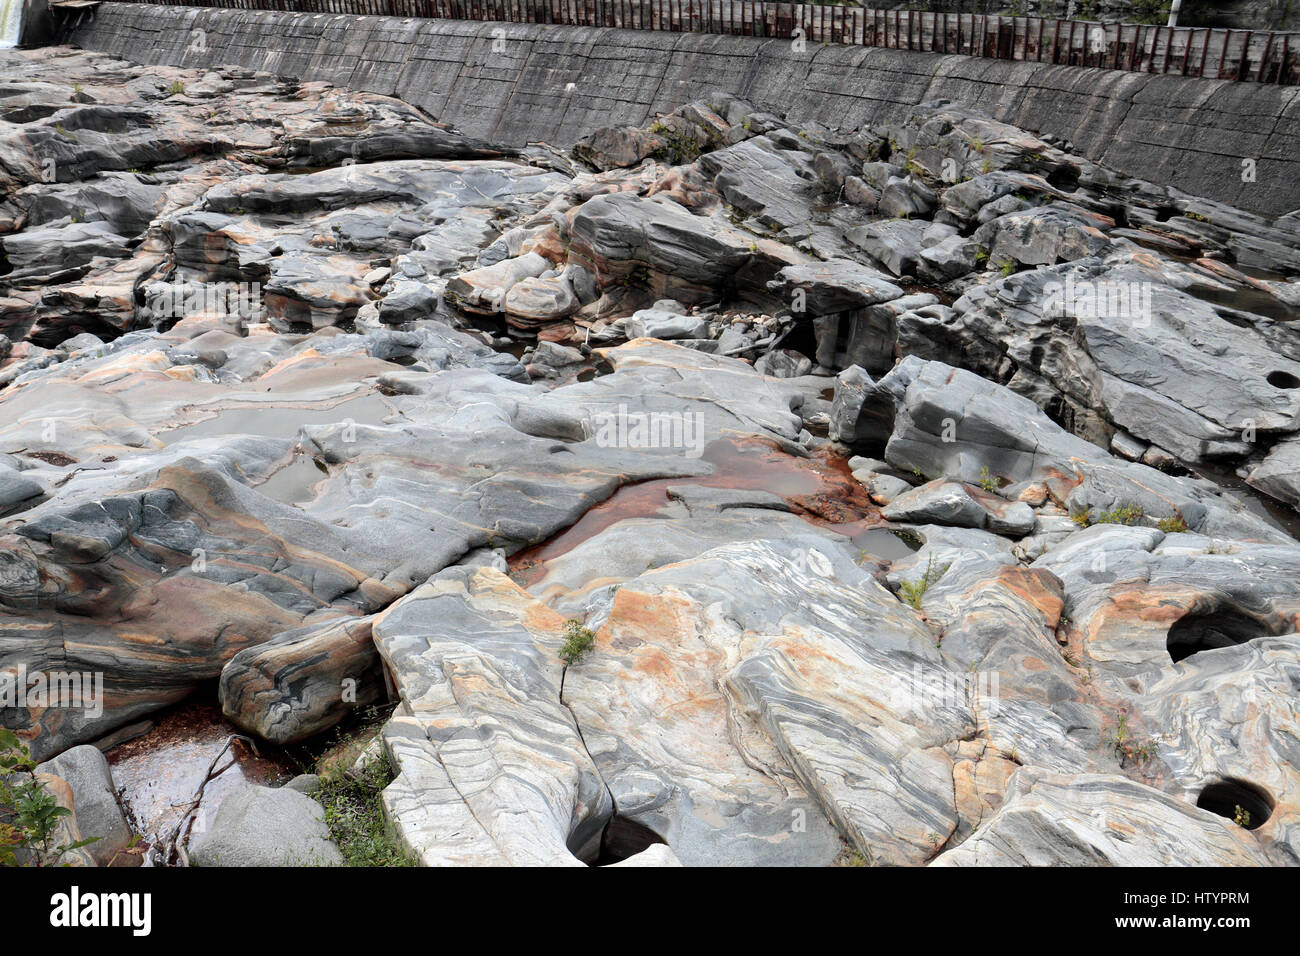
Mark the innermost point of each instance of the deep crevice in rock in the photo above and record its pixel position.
(1283, 380)
(1207, 630)
(624, 838)
(1230, 797)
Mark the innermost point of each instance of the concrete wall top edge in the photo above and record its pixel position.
(1190, 129)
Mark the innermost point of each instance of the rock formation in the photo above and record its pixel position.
(899, 479)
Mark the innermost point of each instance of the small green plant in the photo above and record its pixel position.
(1082, 518)
(354, 814)
(981, 255)
(987, 481)
(29, 813)
(1174, 525)
(680, 149)
(176, 89)
(1126, 747)
(1125, 514)
(911, 165)
(913, 592)
(851, 857)
(578, 642)
(1241, 817)
(1007, 267)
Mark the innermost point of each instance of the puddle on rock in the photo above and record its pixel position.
(820, 489)
(280, 421)
(1275, 513)
(293, 483)
(1246, 299)
(157, 773)
(886, 544)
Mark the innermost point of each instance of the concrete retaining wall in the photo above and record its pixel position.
(516, 83)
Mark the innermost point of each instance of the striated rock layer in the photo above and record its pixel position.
(729, 492)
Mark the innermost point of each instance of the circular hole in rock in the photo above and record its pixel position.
(624, 838)
(1283, 380)
(1231, 798)
(1207, 630)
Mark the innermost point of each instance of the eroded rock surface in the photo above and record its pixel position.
(860, 457)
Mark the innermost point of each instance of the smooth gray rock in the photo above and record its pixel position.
(834, 286)
(15, 488)
(95, 808)
(1278, 474)
(261, 826)
(658, 324)
(951, 422)
(306, 783)
(895, 243)
(1099, 820)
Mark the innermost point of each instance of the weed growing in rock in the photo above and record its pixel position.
(1241, 817)
(354, 813)
(851, 857)
(29, 813)
(1127, 748)
(912, 592)
(987, 481)
(680, 150)
(578, 642)
(176, 89)
(1125, 514)
(1174, 525)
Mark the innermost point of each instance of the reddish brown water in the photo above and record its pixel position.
(157, 773)
(820, 489)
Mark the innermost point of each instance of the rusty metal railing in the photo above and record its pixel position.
(1244, 55)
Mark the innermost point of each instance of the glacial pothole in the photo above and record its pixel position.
(624, 838)
(1241, 802)
(1209, 630)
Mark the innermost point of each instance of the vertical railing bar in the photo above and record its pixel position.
(1263, 60)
